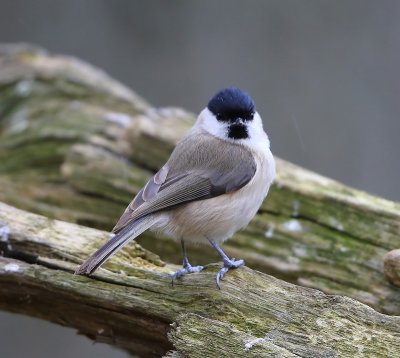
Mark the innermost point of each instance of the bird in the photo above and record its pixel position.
(212, 185)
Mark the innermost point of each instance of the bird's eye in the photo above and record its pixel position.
(219, 117)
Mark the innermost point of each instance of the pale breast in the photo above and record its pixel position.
(220, 217)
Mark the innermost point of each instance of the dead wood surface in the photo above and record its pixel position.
(131, 304)
(76, 145)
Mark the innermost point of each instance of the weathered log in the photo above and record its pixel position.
(76, 145)
(391, 266)
(130, 303)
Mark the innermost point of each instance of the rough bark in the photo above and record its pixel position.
(131, 304)
(76, 145)
(391, 265)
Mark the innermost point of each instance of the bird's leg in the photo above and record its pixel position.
(187, 267)
(228, 263)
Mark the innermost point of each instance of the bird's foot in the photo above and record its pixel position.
(228, 264)
(187, 268)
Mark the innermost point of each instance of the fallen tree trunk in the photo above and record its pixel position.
(76, 145)
(131, 304)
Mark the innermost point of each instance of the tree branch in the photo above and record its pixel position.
(76, 145)
(131, 303)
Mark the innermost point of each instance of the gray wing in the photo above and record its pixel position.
(200, 167)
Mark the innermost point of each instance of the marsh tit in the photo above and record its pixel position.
(212, 185)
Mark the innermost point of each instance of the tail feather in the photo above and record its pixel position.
(130, 232)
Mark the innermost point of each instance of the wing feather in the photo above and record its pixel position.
(196, 174)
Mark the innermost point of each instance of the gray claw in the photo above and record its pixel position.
(228, 264)
(183, 271)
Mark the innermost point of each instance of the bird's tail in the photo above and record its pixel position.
(128, 233)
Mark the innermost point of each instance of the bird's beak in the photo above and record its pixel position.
(238, 122)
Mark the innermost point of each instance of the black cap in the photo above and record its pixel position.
(231, 103)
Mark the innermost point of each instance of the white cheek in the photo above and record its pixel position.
(255, 127)
(257, 122)
(257, 137)
(256, 132)
(209, 123)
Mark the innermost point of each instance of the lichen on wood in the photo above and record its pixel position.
(131, 304)
(76, 145)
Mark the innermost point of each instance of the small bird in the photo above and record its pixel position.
(212, 185)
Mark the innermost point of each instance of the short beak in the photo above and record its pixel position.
(238, 121)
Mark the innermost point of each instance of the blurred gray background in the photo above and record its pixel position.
(324, 74)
